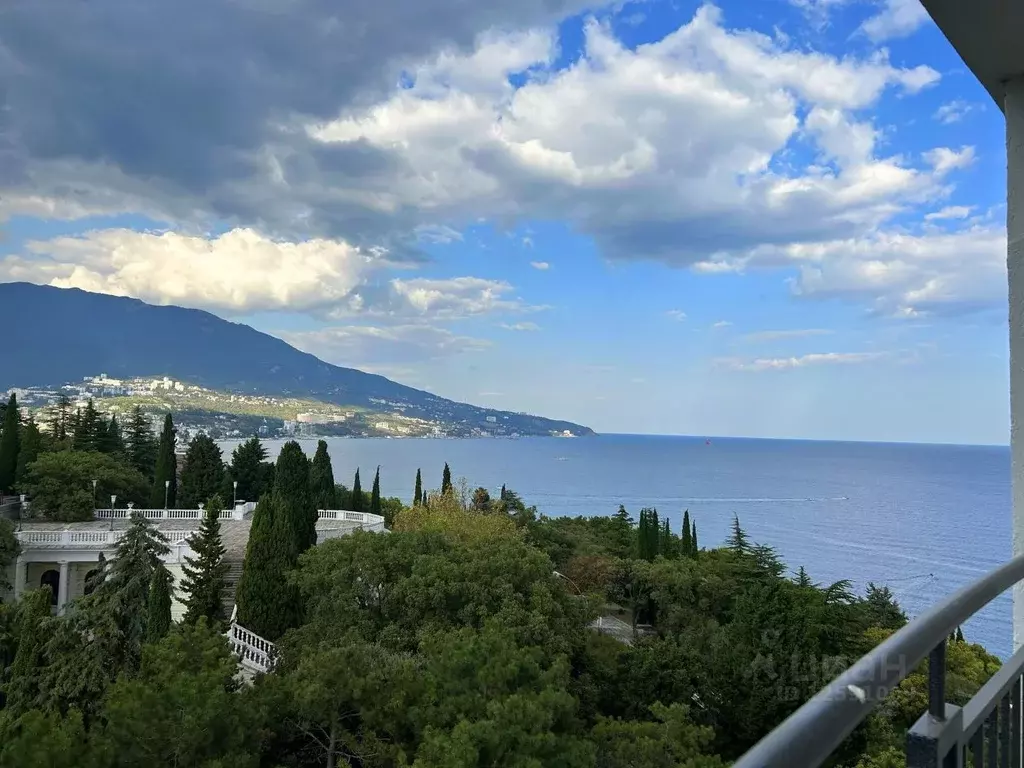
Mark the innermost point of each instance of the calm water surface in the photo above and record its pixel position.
(924, 519)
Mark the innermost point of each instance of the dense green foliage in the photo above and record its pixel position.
(446, 480)
(29, 448)
(158, 617)
(321, 479)
(139, 443)
(165, 475)
(204, 573)
(202, 476)
(10, 441)
(60, 483)
(250, 469)
(293, 501)
(265, 603)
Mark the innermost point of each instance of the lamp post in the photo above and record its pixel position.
(167, 490)
(113, 506)
(94, 482)
(234, 493)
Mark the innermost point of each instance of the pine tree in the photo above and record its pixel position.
(417, 495)
(446, 480)
(60, 421)
(90, 431)
(321, 479)
(249, 470)
(165, 476)
(139, 443)
(375, 494)
(267, 605)
(802, 579)
(29, 450)
(204, 574)
(203, 474)
(738, 540)
(158, 615)
(10, 445)
(686, 544)
(97, 575)
(357, 494)
(293, 502)
(114, 442)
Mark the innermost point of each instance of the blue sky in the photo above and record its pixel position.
(779, 218)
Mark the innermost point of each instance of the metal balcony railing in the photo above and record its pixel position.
(986, 732)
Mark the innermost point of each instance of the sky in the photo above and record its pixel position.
(769, 218)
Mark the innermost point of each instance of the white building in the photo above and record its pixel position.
(63, 555)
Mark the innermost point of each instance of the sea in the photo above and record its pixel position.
(923, 519)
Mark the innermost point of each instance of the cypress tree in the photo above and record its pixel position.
(375, 494)
(446, 480)
(321, 479)
(166, 470)
(654, 533)
(960, 635)
(503, 492)
(10, 445)
(158, 614)
(254, 477)
(23, 687)
(139, 443)
(686, 544)
(357, 494)
(203, 474)
(204, 574)
(114, 442)
(266, 604)
(28, 451)
(693, 539)
(665, 545)
(293, 502)
(417, 495)
(641, 536)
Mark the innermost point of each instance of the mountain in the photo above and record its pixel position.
(58, 335)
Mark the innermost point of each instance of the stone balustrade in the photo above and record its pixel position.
(254, 653)
(86, 539)
(363, 520)
(166, 514)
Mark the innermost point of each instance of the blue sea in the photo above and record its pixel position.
(923, 519)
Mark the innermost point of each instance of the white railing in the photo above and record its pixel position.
(363, 519)
(90, 539)
(254, 653)
(160, 514)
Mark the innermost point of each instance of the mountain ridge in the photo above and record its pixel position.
(85, 333)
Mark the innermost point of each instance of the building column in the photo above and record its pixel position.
(20, 575)
(1013, 106)
(62, 589)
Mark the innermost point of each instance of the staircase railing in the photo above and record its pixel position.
(988, 727)
(254, 652)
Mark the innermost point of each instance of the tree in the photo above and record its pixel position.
(293, 502)
(417, 495)
(204, 574)
(31, 447)
(24, 679)
(139, 443)
(158, 617)
(738, 540)
(249, 470)
(694, 548)
(10, 444)
(686, 543)
(648, 534)
(266, 605)
(90, 431)
(446, 480)
(60, 419)
(165, 475)
(183, 708)
(60, 483)
(667, 543)
(356, 501)
(203, 474)
(670, 740)
(375, 494)
(9, 551)
(481, 500)
(321, 478)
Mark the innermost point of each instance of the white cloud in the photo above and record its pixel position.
(521, 326)
(368, 346)
(438, 233)
(794, 333)
(597, 144)
(722, 324)
(238, 271)
(953, 111)
(896, 18)
(788, 363)
(950, 212)
(541, 265)
(676, 314)
(452, 298)
(944, 159)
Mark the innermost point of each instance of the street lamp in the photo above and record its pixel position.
(113, 501)
(167, 490)
(94, 493)
(234, 493)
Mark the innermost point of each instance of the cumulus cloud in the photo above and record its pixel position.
(370, 347)
(676, 314)
(950, 212)
(788, 363)
(543, 266)
(238, 271)
(953, 111)
(722, 324)
(895, 18)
